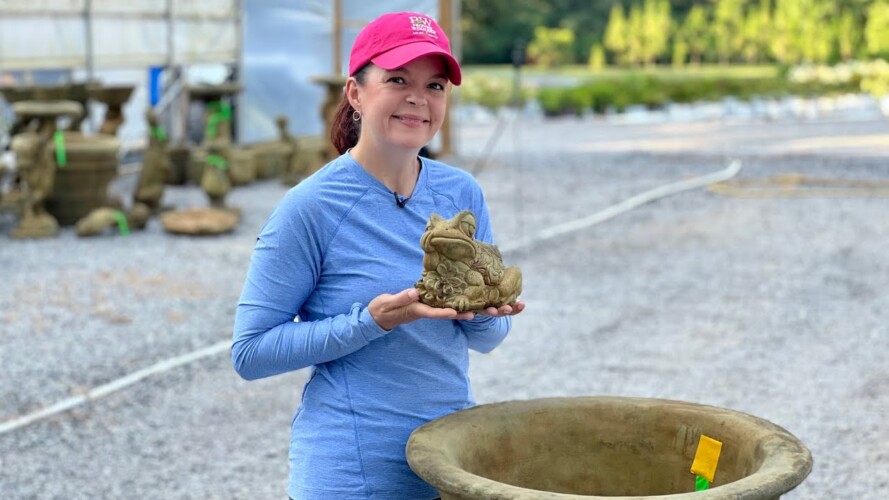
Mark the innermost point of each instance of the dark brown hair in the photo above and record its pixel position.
(344, 131)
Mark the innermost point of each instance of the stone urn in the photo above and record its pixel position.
(334, 86)
(272, 158)
(82, 184)
(603, 447)
(242, 170)
(309, 154)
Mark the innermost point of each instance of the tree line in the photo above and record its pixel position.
(645, 32)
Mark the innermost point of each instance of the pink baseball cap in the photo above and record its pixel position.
(393, 40)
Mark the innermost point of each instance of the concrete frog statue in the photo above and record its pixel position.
(461, 272)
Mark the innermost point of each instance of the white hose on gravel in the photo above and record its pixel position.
(624, 206)
(113, 386)
(564, 228)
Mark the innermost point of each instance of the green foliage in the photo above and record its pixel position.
(635, 88)
(615, 90)
(694, 32)
(491, 93)
(656, 28)
(848, 38)
(551, 46)
(641, 32)
(853, 76)
(616, 34)
(680, 53)
(597, 58)
(877, 31)
(726, 28)
(876, 82)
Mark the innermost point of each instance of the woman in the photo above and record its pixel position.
(341, 252)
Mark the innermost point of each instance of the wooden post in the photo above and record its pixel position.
(337, 37)
(447, 22)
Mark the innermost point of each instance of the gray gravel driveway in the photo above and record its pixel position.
(773, 306)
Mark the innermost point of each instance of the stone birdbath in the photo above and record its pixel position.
(66, 92)
(114, 97)
(35, 152)
(603, 447)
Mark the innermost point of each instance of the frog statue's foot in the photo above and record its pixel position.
(511, 286)
(39, 225)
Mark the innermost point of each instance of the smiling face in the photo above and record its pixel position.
(403, 107)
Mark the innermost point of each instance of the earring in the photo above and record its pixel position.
(356, 115)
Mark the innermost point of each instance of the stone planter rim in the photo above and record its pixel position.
(48, 108)
(75, 141)
(427, 458)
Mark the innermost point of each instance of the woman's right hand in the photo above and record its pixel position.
(390, 310)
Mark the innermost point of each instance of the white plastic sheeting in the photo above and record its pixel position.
(113, 33)
(286, 43)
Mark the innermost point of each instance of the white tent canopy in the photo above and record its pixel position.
(37, 34)
(275, 48)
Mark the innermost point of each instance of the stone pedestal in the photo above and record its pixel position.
(114, 97)
(37, 162)
(334, 87)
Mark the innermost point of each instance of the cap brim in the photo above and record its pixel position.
(400, 56)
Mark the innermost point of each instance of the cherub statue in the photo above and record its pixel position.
(37, 181)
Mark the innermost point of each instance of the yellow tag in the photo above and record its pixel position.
(706, 458)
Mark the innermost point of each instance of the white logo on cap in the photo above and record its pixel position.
(422, 26)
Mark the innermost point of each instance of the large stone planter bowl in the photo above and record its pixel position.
(242, 166)
(272, 158)
(82, 184)
(602, 447)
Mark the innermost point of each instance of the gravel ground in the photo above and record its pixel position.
(771, 306)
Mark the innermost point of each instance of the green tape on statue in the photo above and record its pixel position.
(217, 161)
(701, 484)
(122, 222)
(160, 133)
(220, 112)
(61, 155)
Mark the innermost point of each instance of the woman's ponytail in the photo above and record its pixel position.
(345, 130)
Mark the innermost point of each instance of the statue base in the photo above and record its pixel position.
(36, 226)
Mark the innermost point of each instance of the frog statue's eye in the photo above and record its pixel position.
(466, 222)
(468, 227)
(433, 219)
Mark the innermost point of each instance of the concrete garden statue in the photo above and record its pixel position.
(461, 272)
(37, 162)
(107, 220)
(35, 151)
(215, 180)
(155, 167)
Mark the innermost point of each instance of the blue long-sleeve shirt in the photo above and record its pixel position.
(336, 241)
